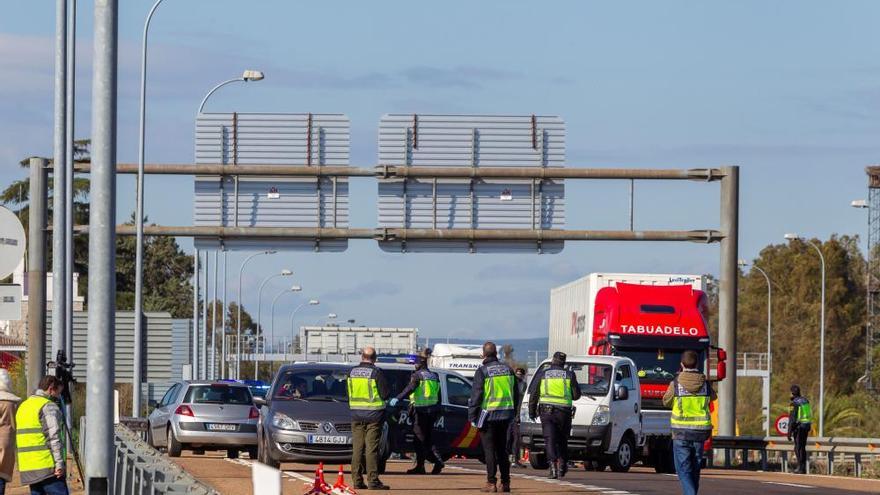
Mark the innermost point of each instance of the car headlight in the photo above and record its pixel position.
(602, 416)
(283, 422)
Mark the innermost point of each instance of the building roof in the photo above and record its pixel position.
(11, 344)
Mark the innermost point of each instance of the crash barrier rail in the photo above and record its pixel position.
(141, 469)
(833, 450)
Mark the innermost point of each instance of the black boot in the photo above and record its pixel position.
(418, 468)
(554, 471)
(438, 461)
(563, 468)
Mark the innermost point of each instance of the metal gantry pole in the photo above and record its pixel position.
(139, 225)
(821, 346)
(102, 253)
(223, 366)
(59, 179)
(203, 367)
(36, 273)
(727, 297)
(195, 318)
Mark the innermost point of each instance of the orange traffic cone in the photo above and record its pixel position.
(320, 487)
(525, 457)
(341, 485)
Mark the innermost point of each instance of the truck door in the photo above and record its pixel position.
(625, 413)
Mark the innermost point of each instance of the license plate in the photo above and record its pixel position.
(221, 427)
(336, 439)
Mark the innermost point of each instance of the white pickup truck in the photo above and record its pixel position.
(607, 424)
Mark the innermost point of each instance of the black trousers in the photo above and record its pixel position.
(423, 429)
(493, 436)
(800, 434)
(556, 425)
(513, 440)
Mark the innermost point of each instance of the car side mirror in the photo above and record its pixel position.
(153, 403)
(260, 402)
(621, 392)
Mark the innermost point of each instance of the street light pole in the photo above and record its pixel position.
(139, 227)
(295, 288)
(283, 273)
(311, 302)
(248, 75)
(238, 324)
(821, 337)
(769, 351)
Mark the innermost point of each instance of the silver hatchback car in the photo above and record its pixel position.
(205, 415)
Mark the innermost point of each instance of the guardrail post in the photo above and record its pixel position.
(784, 461)
(858, 465)
(745, 458)
(830, 456)
(727, 457)
(763, 459)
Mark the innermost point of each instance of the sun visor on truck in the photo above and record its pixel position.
(661, 311)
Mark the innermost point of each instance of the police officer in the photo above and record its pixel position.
(423, 392)
(367, 393)
(491, 409)
(39, 439)
(551, 393)
(800, 419)
(689, 394)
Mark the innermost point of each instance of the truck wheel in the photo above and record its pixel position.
(174, 447)
(539, 461)
(232, 453)
(664, 463)
(622, 460)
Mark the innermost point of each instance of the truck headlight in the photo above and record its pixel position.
(283, 422)
(524, 415)
(602, 416)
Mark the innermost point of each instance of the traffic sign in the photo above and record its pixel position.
(11, 242)
(782, 424)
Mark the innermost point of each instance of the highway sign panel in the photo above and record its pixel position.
(420, 140)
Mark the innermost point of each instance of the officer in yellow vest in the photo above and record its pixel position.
(423, 392)
(551, 393)
(689, 395)
(800, 421)
(491, 409)
(367, 393)
(39, 440)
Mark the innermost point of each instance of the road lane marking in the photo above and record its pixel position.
(599, 489)
(794, 485)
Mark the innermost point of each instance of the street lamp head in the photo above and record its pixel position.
(332, 316)
(859, 203)
(314, 302)
(791, 236)
(296, 288)
(271, 251)
(286, 273)
(253, 75)
(743, 263)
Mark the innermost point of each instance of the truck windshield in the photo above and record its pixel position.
(656, 365)
(312, 385)
(594, 379)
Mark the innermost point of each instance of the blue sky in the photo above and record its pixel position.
(788, 90)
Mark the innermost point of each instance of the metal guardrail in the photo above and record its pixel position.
(833, 449)
(141, 469)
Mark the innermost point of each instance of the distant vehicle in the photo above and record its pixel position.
(607, 425)
(204, 415)
(462, 358)
(258, 388)
(306, 417)
(649, 318)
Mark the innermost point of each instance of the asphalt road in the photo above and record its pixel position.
(233, 477)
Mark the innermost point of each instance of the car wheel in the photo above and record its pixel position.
(538, 461)
(263, 455)
(150, 441)
(232, 454)
(622, 460)
(174, 447)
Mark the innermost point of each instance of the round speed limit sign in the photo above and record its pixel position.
(782, 425)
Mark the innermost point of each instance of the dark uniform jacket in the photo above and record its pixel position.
(376, 416)
(535, 388)
(414, 381)
(490, 367)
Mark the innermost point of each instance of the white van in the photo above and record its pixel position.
(607, 424)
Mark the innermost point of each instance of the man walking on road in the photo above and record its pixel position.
(551, 394)
(689, 394)
(800, 419)
(39, 440)
(491, 410)
(423, 392)
(367, 393)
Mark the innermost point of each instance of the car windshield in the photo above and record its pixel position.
(656, 365)
(218, 394)
(312, 385)
(593, 379)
